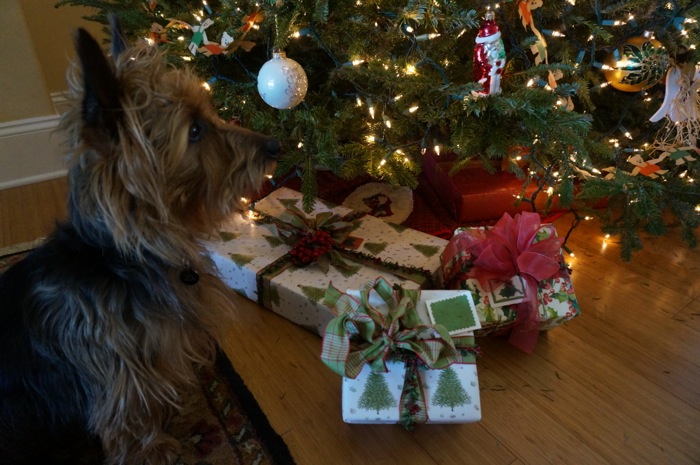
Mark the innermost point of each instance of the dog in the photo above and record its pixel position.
(101, 326)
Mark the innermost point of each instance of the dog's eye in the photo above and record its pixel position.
(196, 132)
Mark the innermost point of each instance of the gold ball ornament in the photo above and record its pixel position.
(643, 62)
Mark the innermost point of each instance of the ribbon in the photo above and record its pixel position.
(512, 247)
(362, 335)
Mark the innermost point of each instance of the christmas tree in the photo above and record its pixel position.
(376, 395)
(450, 392)
(566, 101)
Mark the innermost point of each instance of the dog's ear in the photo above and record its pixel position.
(101, 103)
(118, 41)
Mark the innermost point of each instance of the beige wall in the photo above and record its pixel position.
(52, 32)
(22, 87)
(37, 46)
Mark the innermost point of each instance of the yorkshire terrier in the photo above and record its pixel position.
(100, 327)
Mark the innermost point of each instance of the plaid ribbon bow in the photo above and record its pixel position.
(361, 334)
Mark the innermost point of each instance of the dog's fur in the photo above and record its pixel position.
(97, 330)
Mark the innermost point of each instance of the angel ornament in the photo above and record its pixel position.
(681, 108)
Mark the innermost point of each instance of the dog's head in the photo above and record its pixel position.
(148, 150)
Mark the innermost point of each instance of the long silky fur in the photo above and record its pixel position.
(97, 332)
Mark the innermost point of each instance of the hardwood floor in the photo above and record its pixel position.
(618, 385)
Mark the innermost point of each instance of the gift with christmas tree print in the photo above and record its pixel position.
(399, 362)
(283, 258)
(517, 275)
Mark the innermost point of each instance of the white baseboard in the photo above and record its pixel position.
(30, 151)
(60, 101)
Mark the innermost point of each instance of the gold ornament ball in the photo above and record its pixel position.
(643, 62)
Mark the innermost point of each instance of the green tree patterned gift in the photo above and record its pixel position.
(397, 368)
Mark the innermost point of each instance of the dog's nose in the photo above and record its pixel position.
(272, 148)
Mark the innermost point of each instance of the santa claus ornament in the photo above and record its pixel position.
(489, 56)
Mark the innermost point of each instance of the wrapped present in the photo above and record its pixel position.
(475, 194)
(284, 258)
(396, 368)
(517, 275)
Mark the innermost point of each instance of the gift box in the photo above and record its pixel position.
(474, 195)
(399, 365)
(517, 277)
(263, 257)
(452, 395)
(556, 299)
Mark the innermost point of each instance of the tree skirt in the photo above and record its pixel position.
(390, 203)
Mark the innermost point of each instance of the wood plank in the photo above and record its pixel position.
(660, 258)
(674, 421)
(642, 313)
(522, 426)
(690, 315)
(608, 431)
(676, 375)
(29, 212)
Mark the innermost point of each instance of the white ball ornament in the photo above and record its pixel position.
(282, 82)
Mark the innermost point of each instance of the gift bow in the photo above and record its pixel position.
(293, 225)
(510, 248)
(360, 335)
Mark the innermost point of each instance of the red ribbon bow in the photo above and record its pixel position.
(510, 248)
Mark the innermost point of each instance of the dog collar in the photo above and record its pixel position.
(189, 276)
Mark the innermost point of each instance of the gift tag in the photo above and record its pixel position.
(507, 293)
(455, 312)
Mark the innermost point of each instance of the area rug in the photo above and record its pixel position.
(220, 422)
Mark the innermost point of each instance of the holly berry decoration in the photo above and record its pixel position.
(282, 82)
(311, 247)
(643, 62)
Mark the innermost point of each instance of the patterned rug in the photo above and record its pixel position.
(220, 422)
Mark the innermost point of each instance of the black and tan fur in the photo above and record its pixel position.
(98, 332)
